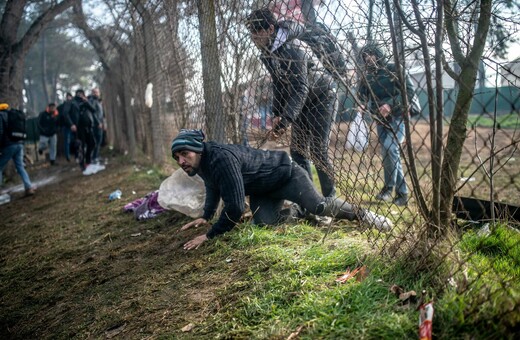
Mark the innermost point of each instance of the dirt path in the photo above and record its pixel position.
(73, 264)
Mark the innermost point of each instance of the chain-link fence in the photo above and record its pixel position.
(402, 107)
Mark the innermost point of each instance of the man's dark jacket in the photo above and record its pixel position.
(232, 172)
(98, 113)
(64, 110)
(82, 116)
(297, 76)
(47, 124)
(380, 85)
(4, 139)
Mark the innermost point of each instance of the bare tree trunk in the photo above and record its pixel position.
(370, 21)
(152, 77)
(119, 78)
(469, 63)
(211, 72)
(44, 68)
(54, 87)
(177, 67)
(13, 49)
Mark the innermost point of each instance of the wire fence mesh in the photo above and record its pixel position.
(342, 76)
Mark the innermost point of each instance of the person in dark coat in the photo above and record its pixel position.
(14, 150)
(380, 90)
(232, 172)
(65, 122)
(304, 94)
(48, 129)
(98, 114)
(83, 121)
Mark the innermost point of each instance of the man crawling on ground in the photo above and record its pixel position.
(232, 172)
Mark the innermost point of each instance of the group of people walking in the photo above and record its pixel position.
(81, 119)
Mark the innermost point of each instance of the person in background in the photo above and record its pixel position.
(12, 150)
(304, 94)
(97, 129)
(231, 172)
(85, 142)
(48, 129)
(380, 90)
(64, 119)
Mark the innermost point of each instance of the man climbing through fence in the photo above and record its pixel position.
(304, 93)
(231, 172)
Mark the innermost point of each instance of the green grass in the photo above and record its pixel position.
(509, 121)
(486, 291)
(290, 283)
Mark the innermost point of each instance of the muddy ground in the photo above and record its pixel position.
(73, 264)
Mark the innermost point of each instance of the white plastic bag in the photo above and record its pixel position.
(357, 136)
(183, 193)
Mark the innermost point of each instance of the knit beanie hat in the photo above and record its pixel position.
(188, 140)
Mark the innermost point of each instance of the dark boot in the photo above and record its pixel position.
(401, 200)
(335, 207)
(385, 194)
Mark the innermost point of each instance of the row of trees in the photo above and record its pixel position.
(55, 65)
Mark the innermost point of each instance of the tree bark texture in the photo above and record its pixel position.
(14, 49)
(215, 119)
(153, 76)
(469, 63)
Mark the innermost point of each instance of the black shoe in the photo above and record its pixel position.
(53, 162)
(40, 152)
(385, 195)
(401, 200)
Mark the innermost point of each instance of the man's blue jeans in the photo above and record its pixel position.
(98, 138)
(67, 140)
(51, 142)
(393, 170)
(14, 151)
(265, 110)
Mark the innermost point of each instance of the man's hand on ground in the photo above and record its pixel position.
(196, 223)
(196, 242)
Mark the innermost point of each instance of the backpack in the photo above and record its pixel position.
(16, 129)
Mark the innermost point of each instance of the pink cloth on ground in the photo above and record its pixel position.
(146, 207)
